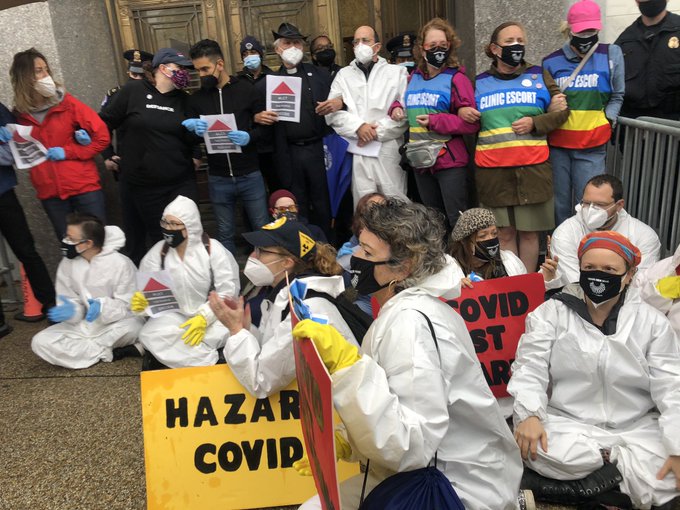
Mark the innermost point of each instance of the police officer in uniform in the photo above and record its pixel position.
(651, 52)
(400, 49)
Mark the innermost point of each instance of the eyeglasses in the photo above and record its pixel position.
(258, 251)
(364, 40)
(603, 206)
(317, 49)
(171, 224)
(433, 46)
(68, 241)
(286, 208)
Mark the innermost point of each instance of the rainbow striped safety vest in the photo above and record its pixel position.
(587, 125)
(502, 102)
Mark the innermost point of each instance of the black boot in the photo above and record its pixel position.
(572, 492)
(151, 363)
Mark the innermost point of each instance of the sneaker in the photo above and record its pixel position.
(5, 330)
(525, 500)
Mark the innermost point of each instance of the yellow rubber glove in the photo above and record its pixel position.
(138, 303)
(195, 330)
(342, 451)
(669, 287)
(335, 351)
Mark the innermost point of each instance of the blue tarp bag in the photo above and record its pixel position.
(421, 489)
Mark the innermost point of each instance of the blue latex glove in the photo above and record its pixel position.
(83, 137)
(240, 138)
(5, 135)
(346, 249)
(56, 154)
(196, 126)
(63, 312)
(94, 310)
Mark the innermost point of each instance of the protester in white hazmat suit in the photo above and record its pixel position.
(660, 287)
(262, 359)
(94, 285)
(596, 383)
(196, 264)
(401, 402)
(601, 209)
(368, 87)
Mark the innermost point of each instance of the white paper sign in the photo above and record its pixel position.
(26, 150)
(215, 137)
(157, 289)
(371, 149)
(284, 96)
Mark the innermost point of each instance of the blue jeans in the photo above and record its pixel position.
(223, 194)
(57, 209)
(572, 169)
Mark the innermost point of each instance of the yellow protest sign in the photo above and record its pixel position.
(209, 444)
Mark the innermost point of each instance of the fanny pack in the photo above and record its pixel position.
(423, 153)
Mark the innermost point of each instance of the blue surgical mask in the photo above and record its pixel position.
(252, 62)
(407, 65)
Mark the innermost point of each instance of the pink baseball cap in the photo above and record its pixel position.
(584, 15)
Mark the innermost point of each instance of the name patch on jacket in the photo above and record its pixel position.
(159, 107)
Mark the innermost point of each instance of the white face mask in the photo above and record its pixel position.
(292, 56)
(46, 86)
(363, 53)
(258, 272)
(593, 217)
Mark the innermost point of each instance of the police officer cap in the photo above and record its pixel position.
(401, 45)
(249, 43)
(136, 59)
(288, 31)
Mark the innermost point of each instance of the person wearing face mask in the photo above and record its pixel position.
(94, 287)
(405, 396)
(400, 48)
(262, 358)
(283, 203)
(437, 91)
(157, 154)
(323, 54)
(651, 51)
(71, 131)
(596, 383)
(234, 176)
(578, 147)
(298, 146)
(602, 208)
(196, 265)
(515, 103)
(366, 121)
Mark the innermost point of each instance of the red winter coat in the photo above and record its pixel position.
(78, 172)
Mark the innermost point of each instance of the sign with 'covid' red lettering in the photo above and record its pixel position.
(495, 312)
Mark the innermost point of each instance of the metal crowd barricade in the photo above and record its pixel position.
(644, 154)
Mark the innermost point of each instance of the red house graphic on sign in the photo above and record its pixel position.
(283, 93)
(218, 125)
(154, 286)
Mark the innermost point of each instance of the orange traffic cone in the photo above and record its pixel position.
(32, 307)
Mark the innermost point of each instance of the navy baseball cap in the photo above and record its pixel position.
(170, 56)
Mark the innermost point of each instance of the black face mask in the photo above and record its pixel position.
(289, 215)
(363, 278)
(600, 286)
(209, 82)
(488, 250)
(325, 57)
(652, 8)
(512, 54)
(583, 44)
(173, 237)
(69, 250)
(437, 57)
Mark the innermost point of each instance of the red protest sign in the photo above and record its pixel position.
(316, 417)
(495, 312)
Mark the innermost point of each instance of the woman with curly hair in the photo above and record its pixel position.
(415, 389)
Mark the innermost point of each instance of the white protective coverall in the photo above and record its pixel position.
(263, 360)
(514, 267)
(108, 277)
(192, 279)
(568, 235)
(399, 407)
(619, 391)
(647, 280)
(368, 101)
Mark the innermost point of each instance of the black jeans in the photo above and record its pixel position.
(146, 205)
(445, 190)
(14, 229)
(310, 185)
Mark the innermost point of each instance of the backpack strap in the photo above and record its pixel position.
(164, 252)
